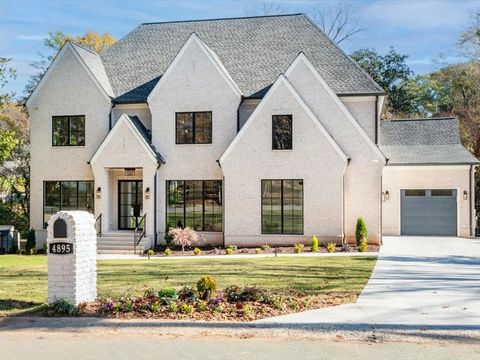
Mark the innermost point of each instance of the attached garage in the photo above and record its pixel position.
(428, 186)
(429, 212)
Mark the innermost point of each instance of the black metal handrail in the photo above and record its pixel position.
(98, 225)
(136, 237)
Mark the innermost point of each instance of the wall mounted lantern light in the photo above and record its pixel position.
(465, 195)
(98, 192)
(385, 195)
(147, 193)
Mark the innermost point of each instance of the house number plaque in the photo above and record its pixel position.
(129, 172)
(60, 248)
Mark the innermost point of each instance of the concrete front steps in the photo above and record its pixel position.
(119, 242)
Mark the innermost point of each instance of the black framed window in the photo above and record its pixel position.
(282, 132)
(68, 130)
(66, 195)
(282, 207)
(193, 127)
(195, 203)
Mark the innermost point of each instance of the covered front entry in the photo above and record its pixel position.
(130, 204)
(429, 212)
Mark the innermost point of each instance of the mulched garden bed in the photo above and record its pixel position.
(209, 250)
(218, 308)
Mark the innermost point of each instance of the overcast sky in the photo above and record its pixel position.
(422, 29)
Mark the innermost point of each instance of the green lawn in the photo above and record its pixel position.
(23, 279)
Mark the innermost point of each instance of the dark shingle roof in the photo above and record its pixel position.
(254, 50)
(147, 136)
(423, 141)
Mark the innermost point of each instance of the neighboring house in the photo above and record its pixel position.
(252, 131)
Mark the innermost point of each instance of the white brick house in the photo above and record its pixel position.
(250, 130)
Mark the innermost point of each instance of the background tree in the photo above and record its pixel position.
(392, 73)
(54, 42)
(469, 42)
(336, 20)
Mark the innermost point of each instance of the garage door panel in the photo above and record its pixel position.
(429, 214)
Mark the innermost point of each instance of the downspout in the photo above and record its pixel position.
(110, 116)
(238, 115)
(223, 205)
(344, 240)
(155, 235)
(472, 200)
(376, 120)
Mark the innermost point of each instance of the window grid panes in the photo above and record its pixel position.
(282, 132)
(193, 128)
(195, 203)
(282, 207)
(68, 130)
(66, 195)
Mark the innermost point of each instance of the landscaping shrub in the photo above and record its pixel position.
(45, 248)
(363, 246)
(150, 253)
(361, 230)
(202, 305)
(247, 310)
(250, 293)
(167, 237)
(298, 248)
(258, 250)
(33, 251)
(172, 307)
(233, 247)
(167, 295)
(197, 251)
(30, 237)
(184, 237)
(206, 287)
(63, 307)
(187, 294)
(168, 252)
(265, 247)
(228, 251)
(185, 308)
(331, 247)
(314, 243)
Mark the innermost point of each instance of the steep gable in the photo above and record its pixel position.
(282, 99)
(330, 111)
(194, 48)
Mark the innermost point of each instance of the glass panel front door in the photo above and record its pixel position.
(130, 203)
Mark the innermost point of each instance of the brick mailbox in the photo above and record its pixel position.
(72, 257)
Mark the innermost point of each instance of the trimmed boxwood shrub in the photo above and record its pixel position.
(361, 231)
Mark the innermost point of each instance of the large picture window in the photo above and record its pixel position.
(193, 128)
(68, 130)
(194, 203)
(282, 132)
(282, 207)
(66, 195)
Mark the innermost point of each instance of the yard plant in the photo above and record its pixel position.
(361, 231)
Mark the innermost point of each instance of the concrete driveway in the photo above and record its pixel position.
(417, 282)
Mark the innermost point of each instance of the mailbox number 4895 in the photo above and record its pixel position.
(61, 248)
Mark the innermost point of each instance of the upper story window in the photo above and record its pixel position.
(282, 132)
(193, 127)
(68, 130)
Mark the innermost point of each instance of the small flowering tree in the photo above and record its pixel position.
(184, 237)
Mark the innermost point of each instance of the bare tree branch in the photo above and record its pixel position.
(336, 20)
(265, 7)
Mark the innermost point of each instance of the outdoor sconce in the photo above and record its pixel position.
(465, 195)
(147, 193)
(385, 195)
(98, 192)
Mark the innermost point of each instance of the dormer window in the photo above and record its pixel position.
(282, 132)
(193, 127)
(68, 130)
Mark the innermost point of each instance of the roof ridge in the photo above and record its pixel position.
(83, 47)
(421, 119)
(222, 19)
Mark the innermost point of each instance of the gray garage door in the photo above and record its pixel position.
(429, 212)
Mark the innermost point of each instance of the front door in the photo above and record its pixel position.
(130, 203)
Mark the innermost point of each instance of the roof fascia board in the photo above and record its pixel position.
(338, 102)
(283, 80)
(220, 68)
(124, 119)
